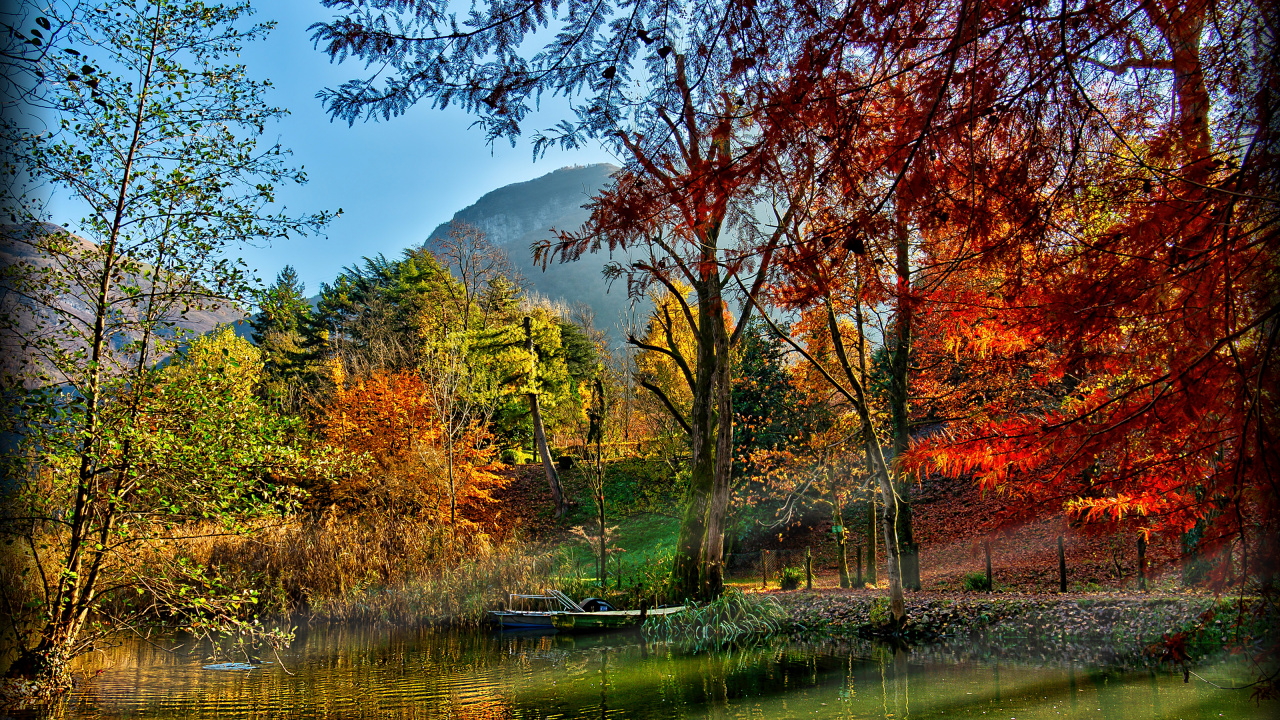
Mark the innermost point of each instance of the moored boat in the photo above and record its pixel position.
(607, 619)
(550, 603)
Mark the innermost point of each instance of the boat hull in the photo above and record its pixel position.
(606, 620)
(523, 620)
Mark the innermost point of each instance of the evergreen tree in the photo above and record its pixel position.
(283, 311)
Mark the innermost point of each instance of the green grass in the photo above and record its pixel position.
(638, 494)
(645, 539)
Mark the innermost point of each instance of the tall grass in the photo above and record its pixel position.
(732, 616)
(371, 568)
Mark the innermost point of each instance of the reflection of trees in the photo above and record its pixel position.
(354, 672)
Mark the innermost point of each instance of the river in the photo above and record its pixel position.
(368, 672)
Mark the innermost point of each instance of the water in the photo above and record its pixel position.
(378, 673)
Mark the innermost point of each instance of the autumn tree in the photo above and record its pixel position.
(406, 460)
(995, 127)
(1150, 282)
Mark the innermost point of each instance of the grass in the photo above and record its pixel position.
(732, 616)
(374, 568)
(638, 493)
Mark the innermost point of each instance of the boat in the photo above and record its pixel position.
(607, 619)
(551, 602)
(559, 612)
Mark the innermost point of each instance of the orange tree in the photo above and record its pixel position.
(407, 463)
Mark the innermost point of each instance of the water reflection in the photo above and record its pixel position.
(365, 672)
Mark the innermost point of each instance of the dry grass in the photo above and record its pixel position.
(362, 568)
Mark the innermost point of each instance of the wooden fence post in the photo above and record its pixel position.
(808, 569)
(986, 546)
(764, 569)
(1142, 563)
(1062, 567)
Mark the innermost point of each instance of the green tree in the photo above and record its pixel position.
(283, 311)
(379, 315)
(138, 113)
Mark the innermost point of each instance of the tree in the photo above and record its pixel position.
(478, 264)
(283, 312)
(593, 467)
(1017, 120)
(158, 140)
(458, 404)
(379, 316)
(204, 454)
(1154, 290)
(527, 359)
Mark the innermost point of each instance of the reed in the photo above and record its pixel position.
(732, 616)
(374, 568)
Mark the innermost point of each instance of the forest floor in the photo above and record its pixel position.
(1103, 618)
(952, 521)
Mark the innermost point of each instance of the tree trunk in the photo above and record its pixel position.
(712, 572)
(870, 532)
(539, 434)
(699, 562)
(908, 551)
(842, 561)
(897, 602)
(604, 552)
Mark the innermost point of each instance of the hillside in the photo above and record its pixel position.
(20, 245)
(515, 216)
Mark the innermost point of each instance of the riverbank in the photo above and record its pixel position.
(1099, 627)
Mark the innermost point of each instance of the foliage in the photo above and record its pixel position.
(393, 436)
(378, 315)
(976, 582)
(137, 113)
(770, 412)
(205, 455)
(283, 314)
(790, 578)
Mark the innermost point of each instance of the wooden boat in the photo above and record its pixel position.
(559, 612)
(607, 619)
(552, 602)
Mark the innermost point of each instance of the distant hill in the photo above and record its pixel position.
(515, 216)
(19, 245)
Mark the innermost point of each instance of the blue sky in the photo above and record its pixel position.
(395, 180)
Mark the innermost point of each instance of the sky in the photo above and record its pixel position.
(395, 180)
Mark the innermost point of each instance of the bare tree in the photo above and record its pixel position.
(476, 262)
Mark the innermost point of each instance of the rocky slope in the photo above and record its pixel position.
(518, 215)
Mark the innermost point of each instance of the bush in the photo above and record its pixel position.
(514, 456)
(976, 582)
(790, 578)
(564, 462)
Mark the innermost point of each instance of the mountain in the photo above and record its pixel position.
(515, 216)
(21, 246)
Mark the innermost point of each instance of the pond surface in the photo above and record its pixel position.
(378, 673)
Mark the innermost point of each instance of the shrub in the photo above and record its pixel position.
(564, 462)
(790, 578)
(514, 456)
(976, 582)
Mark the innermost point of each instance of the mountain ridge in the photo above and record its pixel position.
(515, 216)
